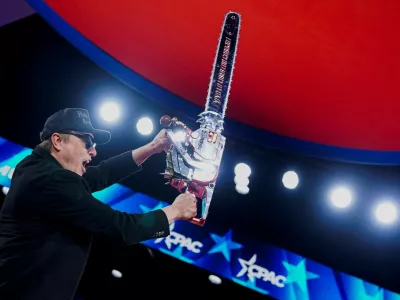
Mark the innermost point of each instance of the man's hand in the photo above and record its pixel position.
(160, 142)
(186, 205)
(183, 208)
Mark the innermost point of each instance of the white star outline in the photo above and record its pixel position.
(254, 272)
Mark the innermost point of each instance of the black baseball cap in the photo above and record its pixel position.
(73, 119)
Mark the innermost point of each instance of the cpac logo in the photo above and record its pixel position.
(254, 271)
(176, 238)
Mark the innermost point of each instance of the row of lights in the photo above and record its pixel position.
(341, 198)
(242, 178)
(385, 212)
(212, 278)
(111, 112)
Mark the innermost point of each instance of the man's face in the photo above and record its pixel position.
(76, 152)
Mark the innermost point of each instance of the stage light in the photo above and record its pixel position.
(341, 197)
(110, 111)
(242, 189)
(5, 190)
(116, 273)
(290, 180)
(386, 212)
(242, 170)
(144, 126)
(214, 279)
(242, 173)
(240, 180)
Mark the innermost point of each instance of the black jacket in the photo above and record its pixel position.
(48, 219)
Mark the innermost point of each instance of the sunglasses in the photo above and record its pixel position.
(86, 138)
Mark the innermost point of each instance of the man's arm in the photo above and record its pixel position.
(121, 166)
(140, 155)
(66, 201)
(116, 168)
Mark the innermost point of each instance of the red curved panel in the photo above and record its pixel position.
(320, 71)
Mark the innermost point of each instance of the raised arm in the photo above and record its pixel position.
(121, 166)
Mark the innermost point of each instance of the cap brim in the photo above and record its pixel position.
(101, 136)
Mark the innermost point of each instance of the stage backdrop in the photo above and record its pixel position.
(315, 77)
(252, 263)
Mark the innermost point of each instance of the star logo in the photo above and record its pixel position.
(298, 274)
(245, 266)
(224, 244)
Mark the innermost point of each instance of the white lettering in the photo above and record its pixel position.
(254, 271)
(176, 238)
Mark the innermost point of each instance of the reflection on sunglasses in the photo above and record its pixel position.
(85, 137)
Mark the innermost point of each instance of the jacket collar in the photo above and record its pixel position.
(45, 155)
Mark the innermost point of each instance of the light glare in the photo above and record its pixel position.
(180, 135)
(5, 190)
(242, 189)
(144, 126)
(386, 212)
(341, 197)
(243, 170)
(290, 179)
(241, 180)
(110, 111)
(214, 279)
(116, 273)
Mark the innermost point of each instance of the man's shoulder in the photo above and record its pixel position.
(34, 171)
(61, 174)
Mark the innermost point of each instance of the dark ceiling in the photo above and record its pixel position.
(41, 73)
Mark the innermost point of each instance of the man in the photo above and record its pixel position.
(49, 216)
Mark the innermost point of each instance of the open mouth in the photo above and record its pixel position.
(84, 163)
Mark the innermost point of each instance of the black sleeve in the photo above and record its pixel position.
(111, 171)
(67, 201)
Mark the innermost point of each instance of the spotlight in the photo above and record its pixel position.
(242, 189)
(386, 212)
(241, 180)
(116, 273)
(110, 111)
(242, 173)
(290, 180)
(214, 279)
(341, 197)
(5, 190)
(144, 126)
(242, 170)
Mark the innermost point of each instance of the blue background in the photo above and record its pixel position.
(224, 252)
